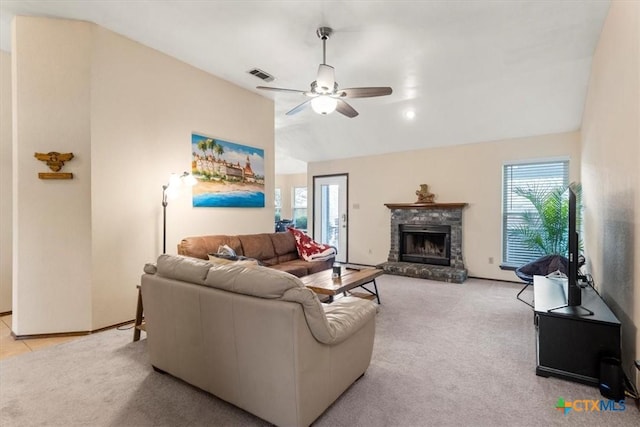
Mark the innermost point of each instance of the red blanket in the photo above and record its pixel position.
(310, 250)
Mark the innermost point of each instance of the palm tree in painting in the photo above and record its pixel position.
(211, 145)
(202, 146)
(219, 150)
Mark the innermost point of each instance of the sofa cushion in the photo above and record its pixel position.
(183, 268)
(202, 246)
(258, 246)
(291, 256)
(283, 243)
(257, 281)
(292, 267)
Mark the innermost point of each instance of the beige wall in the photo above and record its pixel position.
(127, 113)
(286, 183)
(52, 218)
(610, 170)
(5, 183)
(465, 173)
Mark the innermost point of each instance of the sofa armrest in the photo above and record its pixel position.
(347, 315)
(150, 268)
(332, 323)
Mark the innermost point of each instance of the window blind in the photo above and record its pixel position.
(541, 175)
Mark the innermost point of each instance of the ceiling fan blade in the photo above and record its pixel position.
(346, 109)
(365, 92)
(279, 89)
(326, 79)
(298, 108)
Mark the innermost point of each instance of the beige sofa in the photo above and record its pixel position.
(255, 336)
(275, 250)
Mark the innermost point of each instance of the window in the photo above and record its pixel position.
(540, 175)
(300, 207)
(278, 204)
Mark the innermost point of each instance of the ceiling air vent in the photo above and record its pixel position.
(262, 75)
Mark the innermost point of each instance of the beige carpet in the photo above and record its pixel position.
(445, 355)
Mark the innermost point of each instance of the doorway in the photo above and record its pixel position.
(330, 219)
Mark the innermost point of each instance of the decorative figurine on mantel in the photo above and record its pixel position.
(423, 194)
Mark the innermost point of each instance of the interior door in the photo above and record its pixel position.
(330, 218)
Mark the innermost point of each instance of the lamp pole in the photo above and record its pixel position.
(174, 180)
(164, 218)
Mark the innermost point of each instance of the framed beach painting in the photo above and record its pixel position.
(228, 175)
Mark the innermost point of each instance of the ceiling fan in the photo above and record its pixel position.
(324, 96)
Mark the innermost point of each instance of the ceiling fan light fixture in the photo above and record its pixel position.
(324, 96)
(324, 104)
(325, 83)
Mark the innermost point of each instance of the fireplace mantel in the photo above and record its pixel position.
(425, 205)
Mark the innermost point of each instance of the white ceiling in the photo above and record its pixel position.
(472, 70)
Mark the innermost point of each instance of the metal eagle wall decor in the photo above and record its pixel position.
(55, 161)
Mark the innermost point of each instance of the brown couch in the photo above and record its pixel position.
(274, 250)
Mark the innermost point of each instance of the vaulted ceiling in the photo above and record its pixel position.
(470, 70)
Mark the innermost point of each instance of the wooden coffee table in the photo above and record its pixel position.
(323, 283)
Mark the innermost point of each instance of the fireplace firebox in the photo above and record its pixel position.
(425, 244)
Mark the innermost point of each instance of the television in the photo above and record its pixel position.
(574, 292)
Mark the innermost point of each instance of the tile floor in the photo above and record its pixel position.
(9, 346)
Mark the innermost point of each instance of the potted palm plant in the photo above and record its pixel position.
(544, 229)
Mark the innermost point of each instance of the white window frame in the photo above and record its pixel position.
(295, 207)
(277, 202)
(514, 255)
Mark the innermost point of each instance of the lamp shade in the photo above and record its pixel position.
(190, 180)
(172, 188)
(174, 180)
(324, 104)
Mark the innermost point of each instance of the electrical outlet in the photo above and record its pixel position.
(490, 260)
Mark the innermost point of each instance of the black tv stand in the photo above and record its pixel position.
(571, 343)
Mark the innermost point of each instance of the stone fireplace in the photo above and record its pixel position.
(426, 241)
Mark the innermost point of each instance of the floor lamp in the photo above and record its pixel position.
(175, 181)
